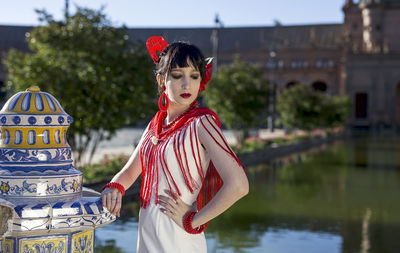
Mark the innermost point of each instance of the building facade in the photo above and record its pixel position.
(371, 73)
(359, 57)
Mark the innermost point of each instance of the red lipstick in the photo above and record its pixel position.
(186, 95)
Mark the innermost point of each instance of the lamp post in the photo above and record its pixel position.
(272, 95)
(214, 40)
(66, 10)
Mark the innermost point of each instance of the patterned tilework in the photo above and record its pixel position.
(8, 246)
(34, 137)
(33, 101)
(31, 225)
(33, 119)
(4, 187)
(39, 182)
(77, 242)
(83, 242)
(40, 186)
(28, 120)
(86, 212)
(90, 210)
(12, 156)
(51, 244)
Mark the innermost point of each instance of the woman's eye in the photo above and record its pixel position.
(176, 76)
(195, 77)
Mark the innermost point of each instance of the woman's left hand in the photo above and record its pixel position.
(174, 207)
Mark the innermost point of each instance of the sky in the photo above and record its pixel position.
(183, 13)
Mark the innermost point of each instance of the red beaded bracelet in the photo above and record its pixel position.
(117, 186)
(187, 224)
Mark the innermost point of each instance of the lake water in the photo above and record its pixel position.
(339, 198)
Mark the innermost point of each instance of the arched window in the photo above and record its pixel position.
(292, 83)
(320, 86)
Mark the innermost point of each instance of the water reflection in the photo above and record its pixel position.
(338, 198)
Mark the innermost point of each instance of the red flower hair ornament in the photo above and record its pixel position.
(207, 75)
(157, 44)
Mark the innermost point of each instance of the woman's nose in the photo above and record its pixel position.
(185, 82)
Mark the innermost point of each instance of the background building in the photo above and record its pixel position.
(359, 58)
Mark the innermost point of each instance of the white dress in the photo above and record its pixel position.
(157, 232)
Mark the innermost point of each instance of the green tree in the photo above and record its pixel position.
(336, 111)
(102, 79)
(302, 107)
(239, 95)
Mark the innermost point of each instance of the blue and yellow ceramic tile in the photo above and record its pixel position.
(51, 244)
(38, 137)
(14, 157)
(40, 186)
(8, 246)
(83, 242)
(33, 119)
(4, 187)
(36, 164)
(32, 101)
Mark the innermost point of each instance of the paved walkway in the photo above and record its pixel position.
(127, 138)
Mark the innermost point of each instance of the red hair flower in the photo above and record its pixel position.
(207, 75)
(156, 44)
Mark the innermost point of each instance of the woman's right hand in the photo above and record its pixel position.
(112, 199)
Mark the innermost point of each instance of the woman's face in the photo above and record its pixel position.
(182, 85)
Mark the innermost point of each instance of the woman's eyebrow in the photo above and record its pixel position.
(181, 70)
(194, 71)
(176, 70)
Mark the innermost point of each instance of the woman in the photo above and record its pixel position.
(189, 173)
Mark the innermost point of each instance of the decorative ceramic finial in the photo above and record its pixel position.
(34, 88)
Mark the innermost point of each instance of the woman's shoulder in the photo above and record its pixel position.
(208, 123)
(206, 115)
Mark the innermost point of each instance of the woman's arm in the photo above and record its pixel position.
(111, 197)
(235, 180)
(131, 171)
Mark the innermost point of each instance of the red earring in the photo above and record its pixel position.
(162, 107)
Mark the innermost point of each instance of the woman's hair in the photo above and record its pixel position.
(180, 54)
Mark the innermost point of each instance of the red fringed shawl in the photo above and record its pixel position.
(151, 154)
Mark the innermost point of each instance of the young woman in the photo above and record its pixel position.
(189, 173)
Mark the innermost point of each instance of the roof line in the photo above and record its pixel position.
(200, 27)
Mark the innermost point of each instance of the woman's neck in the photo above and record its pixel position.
(174, 111)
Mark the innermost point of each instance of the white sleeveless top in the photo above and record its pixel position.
(158, 233)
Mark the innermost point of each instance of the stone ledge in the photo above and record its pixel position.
(270, 153)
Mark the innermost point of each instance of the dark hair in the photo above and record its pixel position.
(180, 54)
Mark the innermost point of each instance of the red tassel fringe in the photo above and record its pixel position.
(150, 154)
